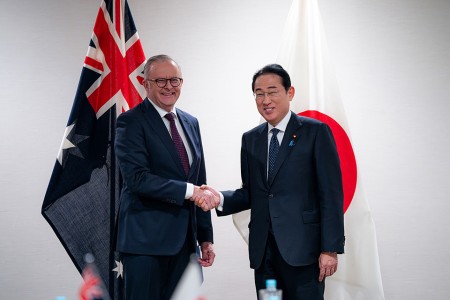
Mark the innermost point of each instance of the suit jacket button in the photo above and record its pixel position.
(270, 196)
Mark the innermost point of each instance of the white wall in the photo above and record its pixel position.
(392, 59)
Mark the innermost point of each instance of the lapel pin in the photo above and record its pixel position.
(292, 142)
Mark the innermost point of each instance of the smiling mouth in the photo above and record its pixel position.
(269, 109)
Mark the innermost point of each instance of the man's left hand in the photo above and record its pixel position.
(208, 254)
(328, 263)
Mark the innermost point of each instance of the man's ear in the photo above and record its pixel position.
(291, 92)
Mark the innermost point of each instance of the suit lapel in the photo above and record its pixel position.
(290, 136)
(261, 151)
(153, 118)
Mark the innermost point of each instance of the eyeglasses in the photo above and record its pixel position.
(260, 95)
(162, 82)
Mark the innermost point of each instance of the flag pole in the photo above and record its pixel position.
(112, 210)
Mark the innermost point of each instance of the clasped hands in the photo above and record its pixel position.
(205, 197)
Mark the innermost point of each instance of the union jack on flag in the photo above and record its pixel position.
(81, 201)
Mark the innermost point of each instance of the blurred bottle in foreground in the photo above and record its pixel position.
(93, 287)
(270, 292)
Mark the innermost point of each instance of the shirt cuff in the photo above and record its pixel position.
(220, 207)
(189, 191)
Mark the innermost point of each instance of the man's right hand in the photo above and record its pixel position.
(204, 198)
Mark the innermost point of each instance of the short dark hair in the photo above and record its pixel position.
(274, 69)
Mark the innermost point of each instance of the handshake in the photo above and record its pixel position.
(205, 197)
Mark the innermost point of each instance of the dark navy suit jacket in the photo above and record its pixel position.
(303, 202)
(154, 217)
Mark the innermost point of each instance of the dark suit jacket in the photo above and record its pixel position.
(304, 201)
(153, 214)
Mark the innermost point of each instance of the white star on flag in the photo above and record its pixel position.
(70, 143)
(118, 269)
(65, 143)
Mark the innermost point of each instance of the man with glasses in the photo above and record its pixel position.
(160, 155)
(291, 181)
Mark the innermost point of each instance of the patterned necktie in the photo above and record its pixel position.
(273, 152)
(178, 142)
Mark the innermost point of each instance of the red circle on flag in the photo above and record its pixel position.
(345, 152)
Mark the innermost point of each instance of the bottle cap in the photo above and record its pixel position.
(271, 284)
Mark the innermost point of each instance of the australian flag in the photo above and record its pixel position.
(81, 201)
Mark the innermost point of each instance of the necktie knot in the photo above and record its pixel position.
(170, 116)
(274, 131)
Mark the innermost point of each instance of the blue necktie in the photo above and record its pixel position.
(273, 152)
(178, 142)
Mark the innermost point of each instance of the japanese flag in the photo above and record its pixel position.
(303, 54)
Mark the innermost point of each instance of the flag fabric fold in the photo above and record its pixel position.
(81, 201)
(303, 53)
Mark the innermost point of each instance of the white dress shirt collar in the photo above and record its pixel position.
(161, 111)
(282, 125)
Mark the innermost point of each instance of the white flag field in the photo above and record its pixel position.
(304, 54)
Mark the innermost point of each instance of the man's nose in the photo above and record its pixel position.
(266, 100)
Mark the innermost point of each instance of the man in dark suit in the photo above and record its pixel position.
(160, 155)
(291, 181)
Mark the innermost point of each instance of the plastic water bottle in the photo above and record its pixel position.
(270, 292)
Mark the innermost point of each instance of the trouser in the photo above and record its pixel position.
(153, 277)
(297, 283)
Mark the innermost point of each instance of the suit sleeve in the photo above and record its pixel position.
(133, 157)
(330, 191)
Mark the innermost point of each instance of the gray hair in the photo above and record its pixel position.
(157, 58)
